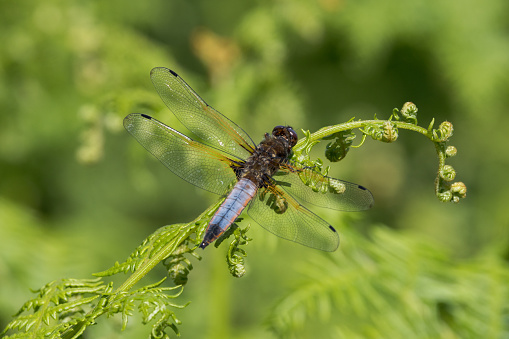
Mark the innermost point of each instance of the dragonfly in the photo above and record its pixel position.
(262, 178)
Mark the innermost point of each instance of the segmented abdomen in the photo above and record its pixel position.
(237, 200)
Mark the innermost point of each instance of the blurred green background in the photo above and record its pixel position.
(77, 193)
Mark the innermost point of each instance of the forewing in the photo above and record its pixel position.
(316, 189)
(283, 216)
(193, 112)
(199, 164)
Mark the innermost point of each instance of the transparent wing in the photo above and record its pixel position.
(283, 216)
(206, 123)
(316, 189)
(199, 164)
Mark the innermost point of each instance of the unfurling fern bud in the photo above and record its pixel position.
(445, 196)
(409, 112)
(444, 132)
(386, 132)
(450, 151)
(459, 189)
(389, 132)
(238, 270)
(447, 173)
(337, 149)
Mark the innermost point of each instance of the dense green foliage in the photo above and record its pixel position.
(77, 194)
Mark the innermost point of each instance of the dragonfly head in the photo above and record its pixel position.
(287, 133)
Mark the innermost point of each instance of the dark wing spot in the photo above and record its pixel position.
(332, 228)
(362, 188)
(146, 116)
(174, 74)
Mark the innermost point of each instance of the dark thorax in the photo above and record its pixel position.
(268, 156)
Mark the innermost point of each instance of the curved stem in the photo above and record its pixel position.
(326, 131)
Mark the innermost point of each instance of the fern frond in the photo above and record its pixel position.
(386, 131)
(153, 302)
(61, 301)
(394, 285)
(65, 308)
(145, 251)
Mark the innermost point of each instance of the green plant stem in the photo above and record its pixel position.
(441, 162)
(184, 232)
(152, 262)
(327, 131)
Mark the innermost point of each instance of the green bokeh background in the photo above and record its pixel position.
(77, 193)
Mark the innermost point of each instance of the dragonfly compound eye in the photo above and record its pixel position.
(286, 132)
